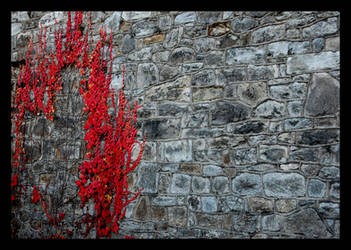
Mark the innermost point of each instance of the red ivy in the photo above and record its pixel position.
(110, 136)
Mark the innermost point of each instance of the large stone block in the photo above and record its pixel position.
(148, 177)
(176, 151)
(284, 185)
(324, 96)
(180, 184)
(270, 109)
(223, 112)
(247, 55)
(147, 74)
(306, 63)
(247, 184)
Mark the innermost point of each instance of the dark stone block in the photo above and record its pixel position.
(314, 137)
(226, 112)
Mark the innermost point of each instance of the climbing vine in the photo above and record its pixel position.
(110, 131)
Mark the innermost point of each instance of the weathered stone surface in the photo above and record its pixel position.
(128, 44)
(164, 201)
(171, 109)
(177, 216)
(209, 204)
(181, 55)
(264, 72)
(270, 109)
(329, 210)
(225, 112)
(304, 154)
(161, 128)
(316, 188)
(113, 22)
(244, 156)
(277, 49)
(321, 28)
(148, 74)
(272, 223)
(259, 205)
(148, 177)
(246, 127)
(228, 75)
(180, 184)
(306, 63)
(176, 151)
(134, 15)
(186, 17)
(273, 153)
(252, 93)
(172, 38)
(323, 97)
(144, 28)
(220, 185)
(314, 137)
(247, 184)
(268, 33)
(296, 90)
(284, 185)
(141, 210)
(285, 205)
(329, 172)
(248, 55)
(200, 185)
(246, 223)
(297, 123)
(243, 24)
(50, 18)
(203, 78)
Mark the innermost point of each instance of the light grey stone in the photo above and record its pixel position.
(247, 55)
(318, 44)
(16, 28)
(321, 28)
(181, 55)
(295, 108)
(144, 28)
(278, 49)
(296, 90)
(204, 44)
(147, 74)
(252, 93)
(220, 185)
(176, 151)
(49, 19)
(268, 33)
(185, 17)
(244, 156)
(316, 188)
(143, 54)
(212, 170)
(243, 24)
(334, 191)
(270, 109)
(172, 37)
(297, 123)
(200, 185)
(135, 15)
(128, 44)
(228, 75)
(209, 204)
(113, 22)
(296, 48)
(247, 184)
(203, 78)
(164, 201)
(329, 172)
(273, 153)
(307, 63)
(180, 184)
(332, 43)
(284, 185)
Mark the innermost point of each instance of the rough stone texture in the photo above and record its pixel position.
(241, 112)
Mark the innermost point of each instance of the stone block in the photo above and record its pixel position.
(176, 151)
(200, 185)
(307, 63)
(181, 55)
(296, 90)
(252, 93)
(321, 28)
(209, 204)
(177, 216)
(244, 156)
(243, 24)
(135, 15)
(180, 184)
(220, 185)
(247, 55)
(262, 72)
(185, 17)
(259, 205)
(223, 112)
(285, 205)
(272, 223)
(324, 96)
(304, 154)
(270, 109)
(316, 188)
(268, 33)
(247, 184)
(273, 153)
(329, 210)
(284, 185)
(147, 74)
(148, 177)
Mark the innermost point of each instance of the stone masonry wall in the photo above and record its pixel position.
(241, 112)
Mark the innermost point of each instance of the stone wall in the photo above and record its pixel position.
(241, 112)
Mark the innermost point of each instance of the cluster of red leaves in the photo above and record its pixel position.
(110, 140)
(110, 137)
